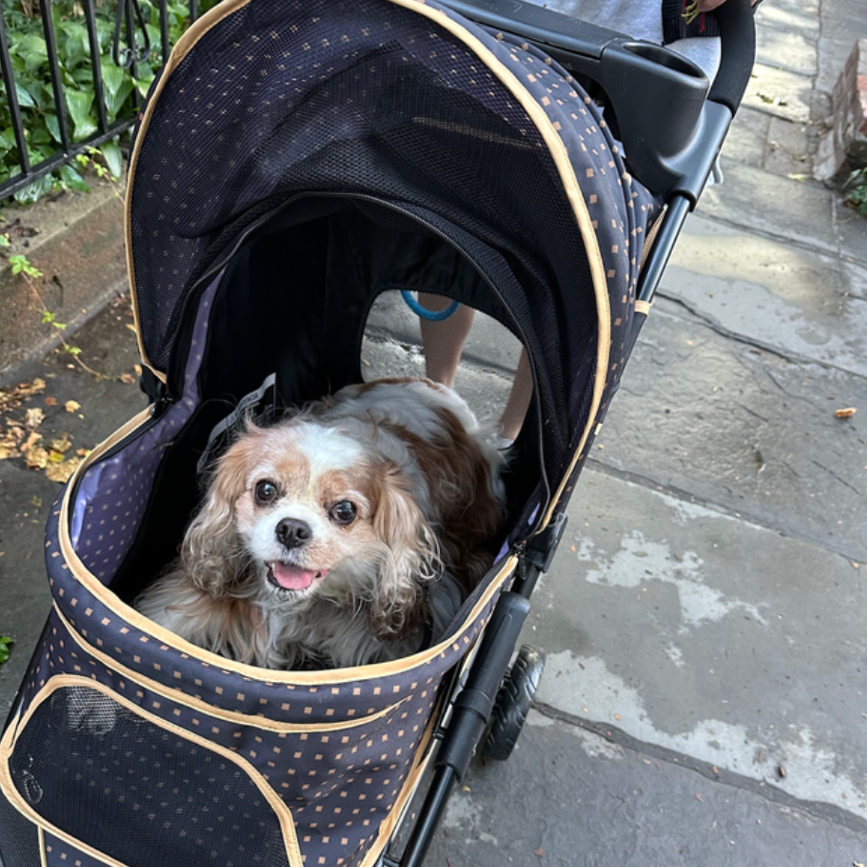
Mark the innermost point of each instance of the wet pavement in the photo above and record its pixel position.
(705, 695)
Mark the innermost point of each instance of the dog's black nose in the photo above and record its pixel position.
(293, 533)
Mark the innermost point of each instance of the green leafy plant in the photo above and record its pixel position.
(856, 191)
(33, 85)
(5, 644)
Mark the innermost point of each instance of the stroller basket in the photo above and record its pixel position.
(295, 161)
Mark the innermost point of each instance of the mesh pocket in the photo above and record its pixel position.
(137, 792)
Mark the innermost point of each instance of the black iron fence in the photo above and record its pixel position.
(74, 73)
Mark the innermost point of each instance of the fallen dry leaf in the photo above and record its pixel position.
(36, 458)
(61, 472)
(539, 853)
(846, 412)
(50, 401)
(127, 378)
(782, 772)
(14, 396)
(62, 444)
(72, 405)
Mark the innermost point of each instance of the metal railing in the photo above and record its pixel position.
(131, 49)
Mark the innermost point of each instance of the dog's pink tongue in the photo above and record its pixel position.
(291, 577)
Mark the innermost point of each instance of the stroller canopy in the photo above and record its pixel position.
(403, 117)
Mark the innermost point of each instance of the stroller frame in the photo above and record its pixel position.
(673, 160)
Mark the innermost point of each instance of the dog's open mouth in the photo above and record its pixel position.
(289, 577)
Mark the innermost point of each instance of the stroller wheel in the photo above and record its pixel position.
(513, 703)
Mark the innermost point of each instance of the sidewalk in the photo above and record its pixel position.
(705, 696)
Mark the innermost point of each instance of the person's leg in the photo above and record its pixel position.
(519, 401)
(443, 341)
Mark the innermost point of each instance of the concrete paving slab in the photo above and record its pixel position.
(785, 48)
(710, 637)
(749, 136)
(792, 16)
(780, 92)
(798, 211)
(788, 148)
(747, 430)
(791, 298)
(578, 799)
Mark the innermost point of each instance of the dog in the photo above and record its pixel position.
(347, 534)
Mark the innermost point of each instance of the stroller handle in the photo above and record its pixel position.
(641, 83)
(738, 42)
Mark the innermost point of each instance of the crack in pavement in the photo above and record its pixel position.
(817, 809)
(717, 327)
(649, 483)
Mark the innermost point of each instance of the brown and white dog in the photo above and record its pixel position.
(340, 535)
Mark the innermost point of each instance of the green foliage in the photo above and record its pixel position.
(29, 56)
(5, 643)
(21, 265)
(856, 191)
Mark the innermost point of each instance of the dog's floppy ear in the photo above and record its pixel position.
(410, 559)
(211, 552)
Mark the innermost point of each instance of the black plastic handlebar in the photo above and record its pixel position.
(738, 40)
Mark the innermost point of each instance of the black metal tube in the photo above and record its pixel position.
(54, 65)
(429, 819)
(10, 187)
(12, 96)
(194, 10)
(164, 31)
(672, 222)
(95, 65)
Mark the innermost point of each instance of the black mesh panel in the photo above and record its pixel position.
(139, 793)
(19, 844)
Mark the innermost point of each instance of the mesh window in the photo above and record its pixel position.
(138, 793)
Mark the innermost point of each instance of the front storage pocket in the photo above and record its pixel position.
(138, 790)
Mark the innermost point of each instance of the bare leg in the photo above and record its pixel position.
(519, 400)
(443, 341)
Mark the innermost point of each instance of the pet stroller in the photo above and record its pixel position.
(295, 160)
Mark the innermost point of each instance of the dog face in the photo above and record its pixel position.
(309, 510)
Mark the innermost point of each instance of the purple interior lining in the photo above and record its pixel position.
(113, 493)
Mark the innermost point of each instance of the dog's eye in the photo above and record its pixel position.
(343, 512)
(265, 492)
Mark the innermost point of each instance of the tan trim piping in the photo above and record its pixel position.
(202, 706)
(284, 815)
(43, 857)
(642, 307)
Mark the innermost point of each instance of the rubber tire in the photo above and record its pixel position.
(513, 703)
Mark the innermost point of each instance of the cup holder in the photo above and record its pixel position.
(664, 57)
